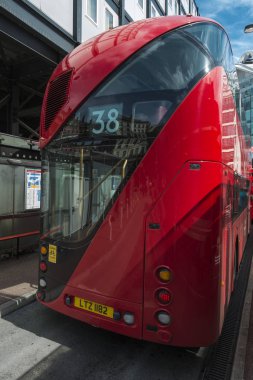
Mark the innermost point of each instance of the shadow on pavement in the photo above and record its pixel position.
(86, 352)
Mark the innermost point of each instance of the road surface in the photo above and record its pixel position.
(38, 343)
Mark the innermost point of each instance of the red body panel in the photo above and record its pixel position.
(160, 167)
(119, 327)
(250, 171)
(194, 239)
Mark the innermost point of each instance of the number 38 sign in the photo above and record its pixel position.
(105, 119)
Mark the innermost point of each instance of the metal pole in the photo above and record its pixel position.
(122, 12)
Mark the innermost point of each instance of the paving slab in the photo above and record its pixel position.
(18, 281)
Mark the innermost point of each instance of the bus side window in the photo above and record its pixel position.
(236, 196)
(243, 202)
(240, 198)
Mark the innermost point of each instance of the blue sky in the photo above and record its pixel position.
(233, 15)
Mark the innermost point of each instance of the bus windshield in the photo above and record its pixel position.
(80, 182)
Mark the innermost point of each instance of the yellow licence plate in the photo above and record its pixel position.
(93, 307)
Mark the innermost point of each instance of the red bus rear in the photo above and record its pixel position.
(145, 192)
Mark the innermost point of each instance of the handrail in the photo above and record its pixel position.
(19, 235)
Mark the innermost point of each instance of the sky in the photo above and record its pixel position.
(233, 15)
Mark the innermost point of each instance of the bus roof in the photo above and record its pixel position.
(92, 61)
(136, 34)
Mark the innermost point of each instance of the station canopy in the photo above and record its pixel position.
(23, 77)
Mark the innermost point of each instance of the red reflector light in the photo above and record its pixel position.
(43, 266)
(163, 296)
(41, 295)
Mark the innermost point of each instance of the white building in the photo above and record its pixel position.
(36, 34)
(100, 15)
(92, 17)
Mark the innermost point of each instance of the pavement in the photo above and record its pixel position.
(18, 285)
(18, 282)
(243, 363)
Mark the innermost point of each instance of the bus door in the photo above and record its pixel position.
(72, 206)
(227, 242)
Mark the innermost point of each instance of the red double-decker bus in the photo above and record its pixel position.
(145, 210)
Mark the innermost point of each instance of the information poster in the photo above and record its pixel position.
(33, 188)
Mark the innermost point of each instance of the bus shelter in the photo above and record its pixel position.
(20, 185)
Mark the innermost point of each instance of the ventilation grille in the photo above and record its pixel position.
(57, 96)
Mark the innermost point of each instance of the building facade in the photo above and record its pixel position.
(95, 16)
(100, 15)
(36, 34)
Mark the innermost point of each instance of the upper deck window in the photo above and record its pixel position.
(153, 11)
(140, 2)
(108, 20)
(213, 38)
(155, 68)
(92, 10)
(176, 8)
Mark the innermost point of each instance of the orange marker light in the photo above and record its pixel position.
(164, 274)
(43, 250)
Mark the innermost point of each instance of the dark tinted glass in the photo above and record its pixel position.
(229, 66)
(171, 62)
(239, 101)
(212, 37)
(228, 60)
